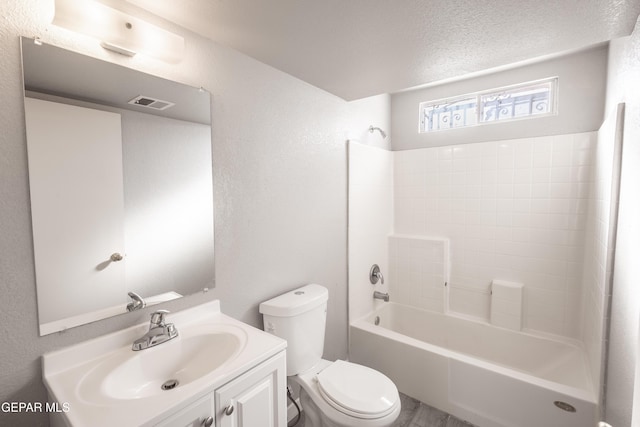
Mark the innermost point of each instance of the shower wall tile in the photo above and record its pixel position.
(513, 210)
(419, 271)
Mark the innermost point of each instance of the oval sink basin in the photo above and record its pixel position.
(183, 360)
(129, 374)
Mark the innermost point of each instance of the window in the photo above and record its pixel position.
(532, 99)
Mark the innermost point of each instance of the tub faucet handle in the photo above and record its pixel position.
(375, 274)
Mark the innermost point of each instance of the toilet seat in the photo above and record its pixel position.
(357, 390)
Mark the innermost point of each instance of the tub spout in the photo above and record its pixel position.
(381, 295)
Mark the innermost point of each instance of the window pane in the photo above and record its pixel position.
(448, 114)
(512, 102)
(517, 102)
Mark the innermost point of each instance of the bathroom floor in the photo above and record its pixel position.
(418, 414)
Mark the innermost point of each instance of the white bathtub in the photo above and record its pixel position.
(489, 376)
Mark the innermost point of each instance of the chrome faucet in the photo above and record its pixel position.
(375, 274)
(159, 332)
(381, 295)
(137, 303)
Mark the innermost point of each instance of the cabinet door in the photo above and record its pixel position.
(198, 414)
(255, 399)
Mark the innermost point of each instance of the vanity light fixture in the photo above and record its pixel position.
(118, 31)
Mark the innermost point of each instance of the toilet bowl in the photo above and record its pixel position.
(343, 394)
(332, 394)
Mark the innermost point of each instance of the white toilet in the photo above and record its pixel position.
(332, 394)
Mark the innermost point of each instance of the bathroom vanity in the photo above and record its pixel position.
(218, 371)
(251, 399)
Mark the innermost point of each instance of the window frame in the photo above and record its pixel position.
(553, 83)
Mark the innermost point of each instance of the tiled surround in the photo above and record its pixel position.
(419, 270)
(513, 210)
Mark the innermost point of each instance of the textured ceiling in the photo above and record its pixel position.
(359, 48)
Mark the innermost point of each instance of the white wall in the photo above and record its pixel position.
(376, 112)
(370, 223)
(582, 79)
(513, 210)
(168, 202)
(623, 85)
(280, 185)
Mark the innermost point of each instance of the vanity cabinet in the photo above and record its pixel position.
(197, 414)
(256, 398)
(230, 374)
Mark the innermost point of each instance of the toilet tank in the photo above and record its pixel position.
(299, 316)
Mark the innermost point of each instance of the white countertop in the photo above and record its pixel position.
(66, 371)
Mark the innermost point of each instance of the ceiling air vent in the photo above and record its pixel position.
(149, 102)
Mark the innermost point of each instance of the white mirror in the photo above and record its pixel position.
(121, 186)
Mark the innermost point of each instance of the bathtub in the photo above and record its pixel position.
(489, 376)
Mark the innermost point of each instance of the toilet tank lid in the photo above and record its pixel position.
(296, 301)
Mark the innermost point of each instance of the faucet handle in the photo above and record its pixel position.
(375, 274)
(157, 317)
(137, 302)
